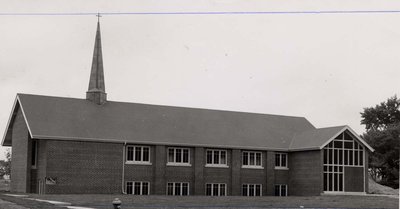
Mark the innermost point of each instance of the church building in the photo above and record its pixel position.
(75, 146)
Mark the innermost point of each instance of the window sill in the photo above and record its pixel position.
(179, 164)
(281, 168)
(252, 167)
(216, 166)
(137, 163)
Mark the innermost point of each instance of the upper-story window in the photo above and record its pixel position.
(178, 156)
(138, 154)
(252, 159)
(216, 158)
(281, 160)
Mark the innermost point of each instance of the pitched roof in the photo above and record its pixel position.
(79, 119)
(314, 138)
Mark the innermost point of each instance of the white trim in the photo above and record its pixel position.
(137, 163)
(353, 133)
(342, 193)
(26, 120)
(281, 168)
(252, 166)
(178, 164)
(216, 166)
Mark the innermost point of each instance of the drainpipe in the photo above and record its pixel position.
(123, 169)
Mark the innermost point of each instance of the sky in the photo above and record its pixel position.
(324, 67)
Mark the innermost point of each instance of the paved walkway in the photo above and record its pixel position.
(10, 205)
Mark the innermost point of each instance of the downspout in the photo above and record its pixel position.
(123, 169)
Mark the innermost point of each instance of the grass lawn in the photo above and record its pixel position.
(129, 201)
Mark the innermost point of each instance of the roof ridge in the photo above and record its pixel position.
(171, 106)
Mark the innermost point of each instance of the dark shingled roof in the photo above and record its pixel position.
(314, 138)
(79, 119)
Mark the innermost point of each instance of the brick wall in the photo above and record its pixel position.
(84, 167)
(20, 172)
(137, 172)
(160, 161)
(182, 173)
(270, 169)
(199, 182)
(254, 176)
(305, 173)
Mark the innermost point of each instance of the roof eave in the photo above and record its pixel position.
(4, 139)
(122, 141)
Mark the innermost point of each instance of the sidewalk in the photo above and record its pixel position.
(10, 205)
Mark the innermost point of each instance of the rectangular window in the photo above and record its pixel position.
(34, 153)
(138, 154)
(280, 190)
(178, 188)
(252, 159)
(215, 189)
(178, 156)
(129, 187)
(138, 187)
(281, 160)
(251, 190)
(216, 158)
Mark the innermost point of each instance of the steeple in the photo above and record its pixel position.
(96, 91)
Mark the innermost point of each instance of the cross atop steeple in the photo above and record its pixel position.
(98, 17)
(96, 91)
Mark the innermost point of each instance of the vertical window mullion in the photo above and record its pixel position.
(175, 155)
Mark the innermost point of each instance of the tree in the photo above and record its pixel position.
(382, 124)
(5, 165)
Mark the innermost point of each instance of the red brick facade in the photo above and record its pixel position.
(95, 167)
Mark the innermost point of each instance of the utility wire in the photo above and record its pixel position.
(200, 13)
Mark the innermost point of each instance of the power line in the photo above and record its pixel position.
(200, 13)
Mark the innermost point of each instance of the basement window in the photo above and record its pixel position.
(178, 188)
(251, 190)
(215, 189)
(280, 190)
(138, 187)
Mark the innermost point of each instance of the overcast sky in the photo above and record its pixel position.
(325, 67)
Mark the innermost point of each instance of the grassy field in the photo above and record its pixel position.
(129, 201)
(229, 202)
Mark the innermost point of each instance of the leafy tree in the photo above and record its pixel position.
(382, 124)
(5, 165)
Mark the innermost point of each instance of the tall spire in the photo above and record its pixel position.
(96, 91)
